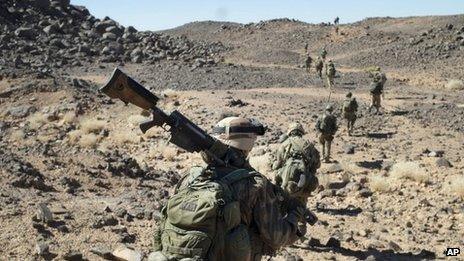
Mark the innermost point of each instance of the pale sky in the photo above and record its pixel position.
(165, 14)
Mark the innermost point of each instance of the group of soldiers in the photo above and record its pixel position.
(227, 210)
(330, 70)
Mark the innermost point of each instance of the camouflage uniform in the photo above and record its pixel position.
(376, 91)
(349, 109)
(293, 149)
(327, 126)
(323, 53)
(330, 73)
(319, 66)
(259, 207)
(308, 62)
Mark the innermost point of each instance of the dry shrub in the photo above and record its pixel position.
(169, 153)
(170, 93)
(37, 120)
(125, 137)
(92, 125)
(74, 136)
(409, 170)
(135, 119)
(457, 186)
(88, 140)
(17, 135)
(455, 85)
(380, 183)
(324, 180)
(261, 163)
(69, 117)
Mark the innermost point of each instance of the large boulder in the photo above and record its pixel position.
(25, 32)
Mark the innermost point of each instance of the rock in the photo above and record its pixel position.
(42, 248)
(337, 167)
(127, 254)
(73, 256)
(365, 193)
(395, 246)
(442, 162)
(21, 111)
(25, 32)
(349, 148)
(42, 4)
(293, 258)
(43, 213)
(51, 29)
(157, 256)
(332, 242)
(436, 153)
(107, 220)
(236, 103)
(103, 252)
(314, 242)
(109, 36)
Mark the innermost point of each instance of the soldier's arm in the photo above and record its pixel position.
(275, 230)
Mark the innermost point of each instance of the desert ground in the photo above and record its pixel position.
(79, 179)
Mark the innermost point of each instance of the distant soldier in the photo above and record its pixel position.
(378, 76)
(319, 65)
(349, 109)
(308, 62)
(327, 126)
(336, 20)
(330, 73)
(376, 91)
(297, 161)
(323, 53)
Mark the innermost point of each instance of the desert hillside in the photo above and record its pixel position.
(79, 181)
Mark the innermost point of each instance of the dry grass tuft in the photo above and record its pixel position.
(261, 163)
(37, 120)
(69, 117)
(17, 135)
(455, 85)
(324, 180)
(74, 136)
(89, 140)
(135, 119)
(380, 183)
(409, 170)
(457, 186)
(89, 125)
(125, 137)
(169, 153)
(170, 93)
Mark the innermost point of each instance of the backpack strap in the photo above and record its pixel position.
(238, 175)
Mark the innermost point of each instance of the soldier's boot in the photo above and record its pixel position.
(323, 149)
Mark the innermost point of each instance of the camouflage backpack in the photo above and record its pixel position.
(327, 124)
(319, 64)
(350, 106)
(331, 70)
(201, 217)
(297, 175)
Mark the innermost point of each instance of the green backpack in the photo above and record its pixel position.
(297, 175)
(201, 216)
(328, 124)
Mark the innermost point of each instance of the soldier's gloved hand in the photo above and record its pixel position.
(301, 232)
(296, 215)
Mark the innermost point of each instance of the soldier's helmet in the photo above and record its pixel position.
(238, 132)
(295, 127)
(329, 108)
(349, 95)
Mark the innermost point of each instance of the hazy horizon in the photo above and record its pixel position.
(156, 15)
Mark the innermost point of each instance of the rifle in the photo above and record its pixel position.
(289, 203)
(184, 133)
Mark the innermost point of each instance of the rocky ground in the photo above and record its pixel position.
(78, 178)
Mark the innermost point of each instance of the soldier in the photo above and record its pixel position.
(323, 53)
(297, 161)
(336, 20)
(330, 73)
(319, 66)
(349, 109)
(250, 224)
(327, 126)
(308, 62)
(376, 91)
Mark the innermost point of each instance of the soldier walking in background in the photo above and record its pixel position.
(326, 125)
(308, 62)
(330, 73)
(349, 109)
(297, 161)
(319, 66)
